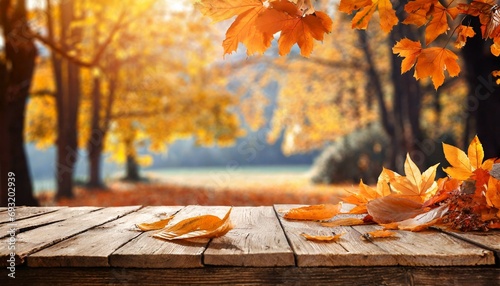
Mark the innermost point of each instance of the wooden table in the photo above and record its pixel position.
(96, 246)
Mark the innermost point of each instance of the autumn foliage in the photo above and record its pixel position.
(299, 23)
(467, 199)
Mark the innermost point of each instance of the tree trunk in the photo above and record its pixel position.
(67, 77)
(16, 75)
(95, 143)
(132, 170)
(482, 108)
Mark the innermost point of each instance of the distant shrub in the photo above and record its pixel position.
(359, 155)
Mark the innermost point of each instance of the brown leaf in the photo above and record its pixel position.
(205, 226)
(314, 212)
(393, 208)
(424, 220)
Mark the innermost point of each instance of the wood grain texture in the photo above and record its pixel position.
(257, 239)
(34, 240)
(27, 212)
(92, 248)
(42, 219)
(257, 276)
(489, 240)
(350, 250)
(430, 248)
(146, 251)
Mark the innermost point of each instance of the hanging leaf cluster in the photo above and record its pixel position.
(257, 21)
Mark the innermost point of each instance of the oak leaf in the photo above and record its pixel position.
(314, 212)
(322, 238)
(295, 27)
(205, 226)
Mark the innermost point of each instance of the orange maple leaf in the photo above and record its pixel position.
(243, 29)
(432, 13)
(415, 185)
(314, 212)
(464, 32)
(295, 27)
(463, 165)
(408, 49)
(204, 226)
(367, 193)
(432, 62)
(388, 18)
(348, 6)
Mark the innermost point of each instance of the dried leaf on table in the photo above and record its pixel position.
(205, 226)
(322, 238)
(314, 212)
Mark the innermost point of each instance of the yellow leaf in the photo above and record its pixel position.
(220, 10)
(314, 212)
(205, 226)
(155, 225)
(475, 153)
(461, 167)
(322, 238)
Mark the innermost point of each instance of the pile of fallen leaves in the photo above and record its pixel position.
(467, 199)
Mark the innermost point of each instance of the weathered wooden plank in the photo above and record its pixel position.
(43, 219)
(256, 240)
(256, 276)
(34, 240)
(430, 248)
(147, 252)
(92, 248)
(349, 251)
(26, 212)
(489, 240)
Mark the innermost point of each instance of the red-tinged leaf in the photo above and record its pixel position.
(424, 220)
(295, 28)
(432, 62)
(155, 225)
(475, 153)
(381, 233)
(205, 226)
(494, 225)
(445, 187)
(408, 49)
(393, 208)
(314, 212)
(348, 6)
(322, 238)
(344, 222)
(463, 32)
